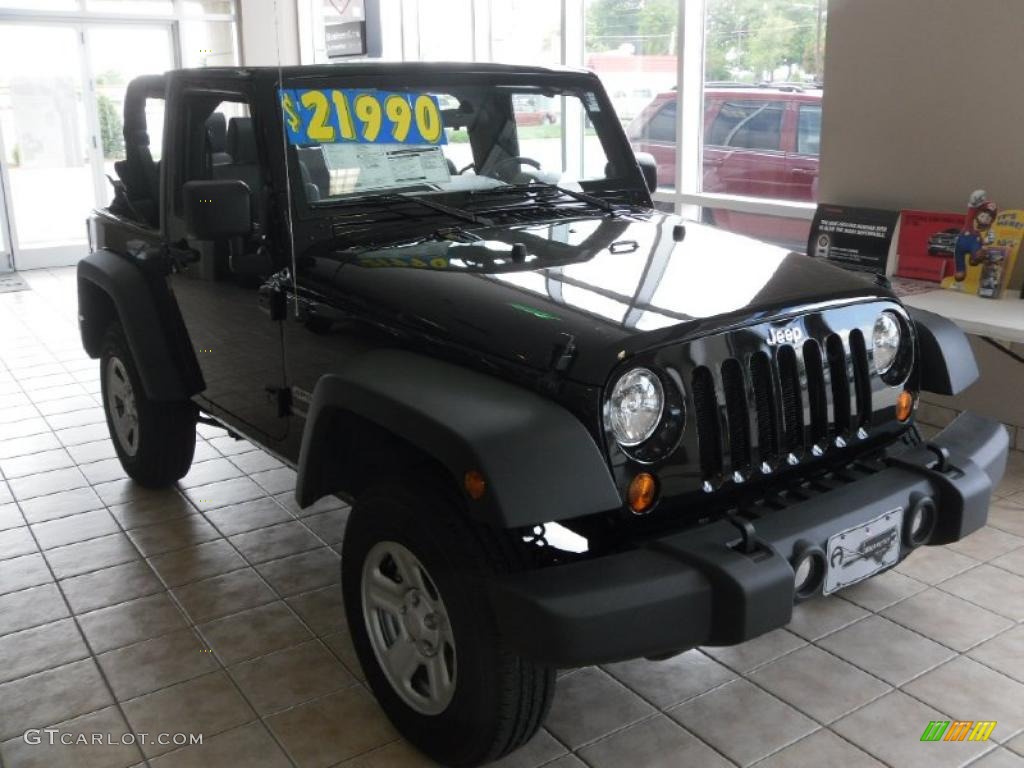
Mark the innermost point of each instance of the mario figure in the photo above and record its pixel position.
(971, 241)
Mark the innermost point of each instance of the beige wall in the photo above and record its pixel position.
(908, 121)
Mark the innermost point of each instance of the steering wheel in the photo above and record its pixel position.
(518, 160)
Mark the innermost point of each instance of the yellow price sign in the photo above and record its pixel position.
(335, 115)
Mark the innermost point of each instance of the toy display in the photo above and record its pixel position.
(992, 270)
(985, 249)
(972, 254)
(975, 235)
(925, 244)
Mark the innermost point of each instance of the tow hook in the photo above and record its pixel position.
(749, 543)
(941, 456)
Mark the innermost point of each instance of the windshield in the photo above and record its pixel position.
(349, 142)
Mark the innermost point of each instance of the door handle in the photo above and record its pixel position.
(804, 172)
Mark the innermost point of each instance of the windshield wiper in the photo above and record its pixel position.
(458, 213)
(604, 205)
(393, 197)
(581, 196)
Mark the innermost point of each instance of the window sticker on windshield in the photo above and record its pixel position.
(357, 167)
(357, 116)
(590, 101)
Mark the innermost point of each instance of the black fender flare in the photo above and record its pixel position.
(946, 364)
(149, 315)
(539, 462)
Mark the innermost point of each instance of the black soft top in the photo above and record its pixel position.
(375, 68)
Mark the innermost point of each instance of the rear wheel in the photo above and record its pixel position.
(424, 630)
(155, 441)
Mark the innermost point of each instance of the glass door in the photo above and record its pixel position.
(6, 259)
(61, 96)
(116, 54)
(46, 140)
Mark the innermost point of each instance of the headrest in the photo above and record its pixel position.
(217, 132)
(242, 141)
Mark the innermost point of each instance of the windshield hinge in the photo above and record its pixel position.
(273, 300)
(563, 353)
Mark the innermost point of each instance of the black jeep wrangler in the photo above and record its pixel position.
(574, 429)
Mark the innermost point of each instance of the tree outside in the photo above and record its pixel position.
(111, 124)
(750, 41)
(111, 128)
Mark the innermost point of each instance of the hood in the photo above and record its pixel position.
(612, 285)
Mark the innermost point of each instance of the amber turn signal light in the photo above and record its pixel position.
(643, 490)
(904, 405)
(474, 484)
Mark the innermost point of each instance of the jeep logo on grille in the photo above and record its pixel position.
(784, 335)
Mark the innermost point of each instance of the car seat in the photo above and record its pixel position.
(217, 139)
(245, 165)
(316, 179)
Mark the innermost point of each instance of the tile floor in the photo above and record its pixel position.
(214, 608)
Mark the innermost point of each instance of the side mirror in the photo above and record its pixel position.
(217, 210)
(649, 168)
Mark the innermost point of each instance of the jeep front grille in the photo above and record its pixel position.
(758, 411)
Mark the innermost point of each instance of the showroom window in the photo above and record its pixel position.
(632, 45)
(744, 124)
(444, 36)
(525, 32)
(808, 131)
(724, 94)
(65, 66)
(761, 110)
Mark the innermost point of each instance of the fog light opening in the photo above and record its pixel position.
(920, 521)
(808, 571)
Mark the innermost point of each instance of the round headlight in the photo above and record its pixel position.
(886, 338)
(635, 407)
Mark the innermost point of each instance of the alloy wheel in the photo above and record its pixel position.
(409, 629)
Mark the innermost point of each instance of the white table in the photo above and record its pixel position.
(998, 319)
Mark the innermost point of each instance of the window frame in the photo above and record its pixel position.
(800, 110)
(687, 198)
(759, 107)
(669, 105)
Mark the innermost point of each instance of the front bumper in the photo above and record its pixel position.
(699, 587)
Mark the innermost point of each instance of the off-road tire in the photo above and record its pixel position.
(500, 698)
(160, 452)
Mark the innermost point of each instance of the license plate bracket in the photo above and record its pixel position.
(863, 550)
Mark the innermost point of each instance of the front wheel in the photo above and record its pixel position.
(412, 566)
(155, 441)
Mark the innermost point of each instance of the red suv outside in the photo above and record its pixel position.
(758, 141)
